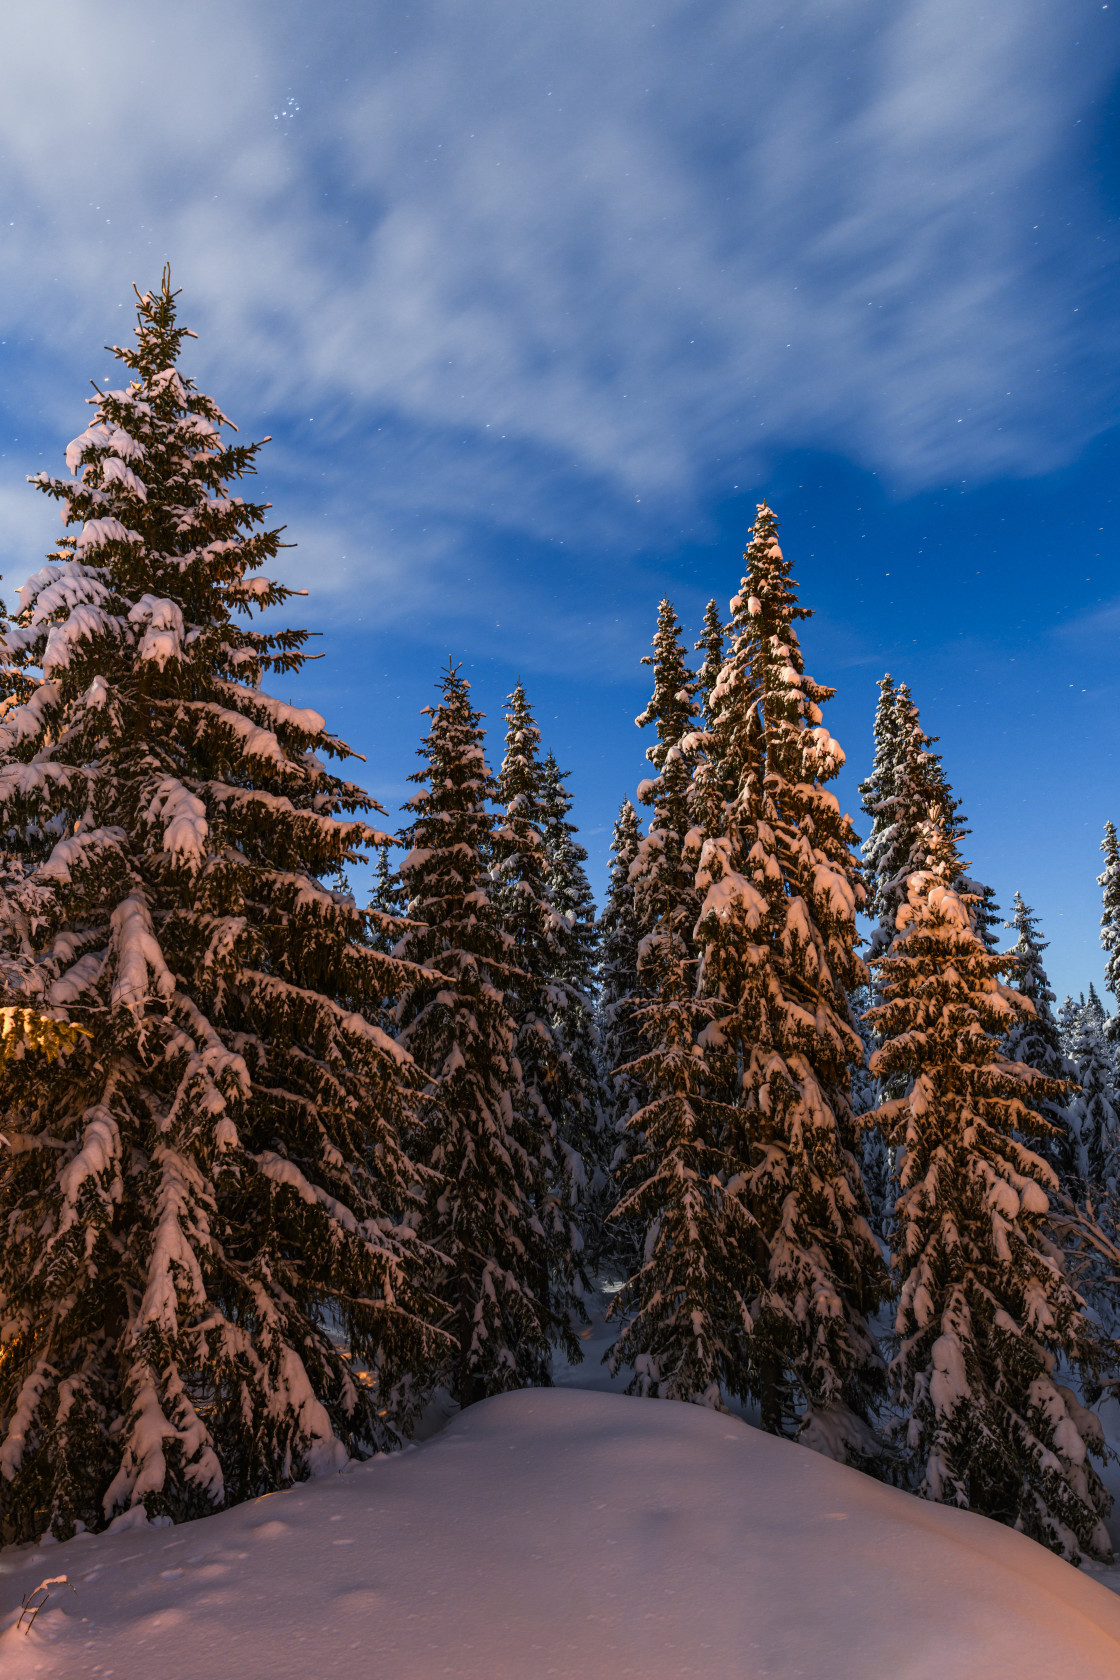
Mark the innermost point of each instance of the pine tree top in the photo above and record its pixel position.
(519, 781)
(711, 641)
(1025, 956)
(941, 986)
(672, 705)
(1109, 881)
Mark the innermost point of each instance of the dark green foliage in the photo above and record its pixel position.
(1093, 1111)
(620, 1032)
(1034, 1039)
(1109, 882)
(497, 1214)
(711, 642)
(210, 1276)
(542, 1000)
(985, 1311)
(778, 966)
(585, 1126)
(619, 986)
(685, 1316)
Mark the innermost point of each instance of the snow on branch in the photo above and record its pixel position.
(138, 953)
(184, 818)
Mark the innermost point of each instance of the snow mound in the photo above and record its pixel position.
(581, 1535)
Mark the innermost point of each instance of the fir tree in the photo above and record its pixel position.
(711, 642)
(537, 937)
(386, 902)
(619, 988)
(494, 1213)
(986, 914)
(906, 782)
(1095, 1007)
(777, 932)
(1034, 1039)
(879, 795)
(1109, 882)
(567, 880)
(619, 998)
(985, 1310)
(585, 1120)
(876, 1161)
(663, 875)
(685, 1317)
(1093, 1114)
(709, 788)
(207, 1208)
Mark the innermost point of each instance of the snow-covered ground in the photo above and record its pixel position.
(574, 1534)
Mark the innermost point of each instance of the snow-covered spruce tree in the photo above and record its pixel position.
(879, 796)
(1068, 1017)
(521, 894)
(987, 918)
(585, 1107)
(207, 1210)
(985, 1312)
(665, 903)
(505, 1286)
(619, 997)
(387, 891)
(711, 781)
(664, 881)
(1109, 882)
(567, 879)
(1094, 1006)
(684, 1313)
(618, 969)
(777, 934)
(875, 1157)
(664, 872)
(1093, 1113)
(685, 1316)
(884, 851)
(710, 641)
(537, 935)
(907, 778)
(1035, 1040)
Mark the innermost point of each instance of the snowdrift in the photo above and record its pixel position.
(581, 1535)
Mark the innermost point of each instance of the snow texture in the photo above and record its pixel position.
(586, 1536)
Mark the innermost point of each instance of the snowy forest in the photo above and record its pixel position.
(277, 1166)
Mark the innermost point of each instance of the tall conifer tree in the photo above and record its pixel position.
(495, 1212)
(906, 781)
(663, 875)
(1035, 1040)
(537, 939)
(207, 1206)
(1093, 1112)
(777, 932)
(386, 902)
(710, 642)
(584, 1106)
(1109, 882)
(618, 965)
(687, 1315)
(619, 1029)
(985, 1311)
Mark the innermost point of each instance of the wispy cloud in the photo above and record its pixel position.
(584, 266)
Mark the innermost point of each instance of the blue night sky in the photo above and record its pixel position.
(537, 302)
